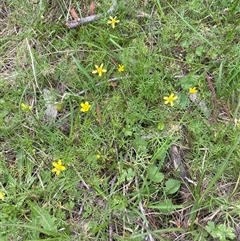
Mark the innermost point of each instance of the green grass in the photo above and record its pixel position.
(120, 182)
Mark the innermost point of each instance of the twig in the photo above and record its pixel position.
(177, 162)
(179, 166)
(210, 84)
(88, 19)
(214, 99)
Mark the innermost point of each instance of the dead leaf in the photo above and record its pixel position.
(143, 15)
(51, 110)
(92, 8)
(113, 84)
(74, 13)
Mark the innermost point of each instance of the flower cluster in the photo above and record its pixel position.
(25, 107)
(99, 69)
(58, 166)
(171, 98)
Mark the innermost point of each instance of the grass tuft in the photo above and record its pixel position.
(148, 151)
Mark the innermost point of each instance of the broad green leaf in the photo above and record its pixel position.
(199, 51)
(188, 81)
(172, 186)
(154, 174)
(212, 229)
(183, 100)
(140, 144)
(126, 175)
(46, 221)
(225, 232)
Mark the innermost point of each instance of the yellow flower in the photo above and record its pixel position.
(193, 90)
(113, 21)
(58, 167)
(85, 107)
(170, 99)
(26, 108)
(2, 195)
(99, 70)
(98, 156)
(120, 68)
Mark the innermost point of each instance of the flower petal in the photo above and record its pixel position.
(54, 164)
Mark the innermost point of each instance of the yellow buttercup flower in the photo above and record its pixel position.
(58, 167)
(193, 90)
(25, 108)
(170, 99)
(99, 70)
(2, 195)
(113, 21)
(85, 107)
(120, 68)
